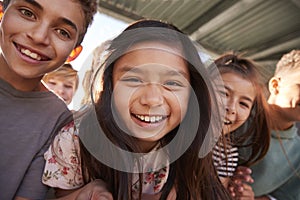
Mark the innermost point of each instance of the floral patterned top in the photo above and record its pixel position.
(63, 165)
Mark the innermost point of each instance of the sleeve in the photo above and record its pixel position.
(63, 166)
(271, 198)
(225, 159)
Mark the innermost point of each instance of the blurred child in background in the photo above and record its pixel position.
(63, 82)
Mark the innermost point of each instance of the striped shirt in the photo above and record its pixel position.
(225, 162)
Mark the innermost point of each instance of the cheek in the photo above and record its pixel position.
(62, 48)
(70, 92)
(179, 103)
(244, 115)
(121, 100)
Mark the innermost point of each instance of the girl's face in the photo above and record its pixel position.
(151, 91)
(238, 98)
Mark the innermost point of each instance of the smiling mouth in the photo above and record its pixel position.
(31, 54)
(150, 119)
(227, 122)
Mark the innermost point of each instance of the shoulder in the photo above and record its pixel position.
(63, 164)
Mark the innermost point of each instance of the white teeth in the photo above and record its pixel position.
(151, 119)
(227, 122)
(31, 54)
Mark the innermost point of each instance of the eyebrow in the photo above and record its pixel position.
(128, 68)
(35, 4)
(38, 6)
(243, 97)
(70, 23)
(177, 73)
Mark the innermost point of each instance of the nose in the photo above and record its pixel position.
(59, 90)
(152, 95)
(40, 34)
(230, 107)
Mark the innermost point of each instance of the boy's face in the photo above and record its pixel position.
(36, 36)
(287, 95)
(63, 87)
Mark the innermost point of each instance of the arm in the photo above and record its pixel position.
(265, 197)
(95, 190)
(239, 189)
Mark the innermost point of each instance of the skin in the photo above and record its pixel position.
(63, 87)
(285, 99)
(40, 29)
(238, 97)
(144, 90)
(36, 38)
(151, 83)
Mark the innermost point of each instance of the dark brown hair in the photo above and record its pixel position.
(255, 132)
(196, 177)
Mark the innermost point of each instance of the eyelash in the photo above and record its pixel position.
(244, 104)
(25, 13)
(30, 15)
(132, 79)
(64, 33)
(223, 93)
(174, 84)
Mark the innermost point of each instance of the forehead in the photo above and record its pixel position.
(238, 84)
(145, 53)
(290, 78)
(62, 79)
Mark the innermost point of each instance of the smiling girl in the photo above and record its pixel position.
(149, 134)
(246, 124)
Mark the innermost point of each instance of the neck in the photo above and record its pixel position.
(146, 146)
(17, 81)
(279, 121)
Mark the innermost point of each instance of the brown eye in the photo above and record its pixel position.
(63, 33)
(27, 13)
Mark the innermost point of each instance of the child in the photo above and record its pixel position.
(245, 118)
(277, 175)
(63, 82)
(150, 124)
(36, 37)
(99, 56)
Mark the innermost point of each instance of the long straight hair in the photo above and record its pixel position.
(194, 177)
(254, 134)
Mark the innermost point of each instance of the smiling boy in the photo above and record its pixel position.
(36, 37)
(283, 155)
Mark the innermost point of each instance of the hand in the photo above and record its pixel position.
(96, 190)
(246, 193)
(236, 184)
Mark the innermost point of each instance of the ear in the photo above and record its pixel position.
(274, 85)
(75, 52)
(1, 10)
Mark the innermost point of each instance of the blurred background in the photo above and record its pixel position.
(263, 30)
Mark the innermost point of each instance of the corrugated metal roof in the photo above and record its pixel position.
(263, 29)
